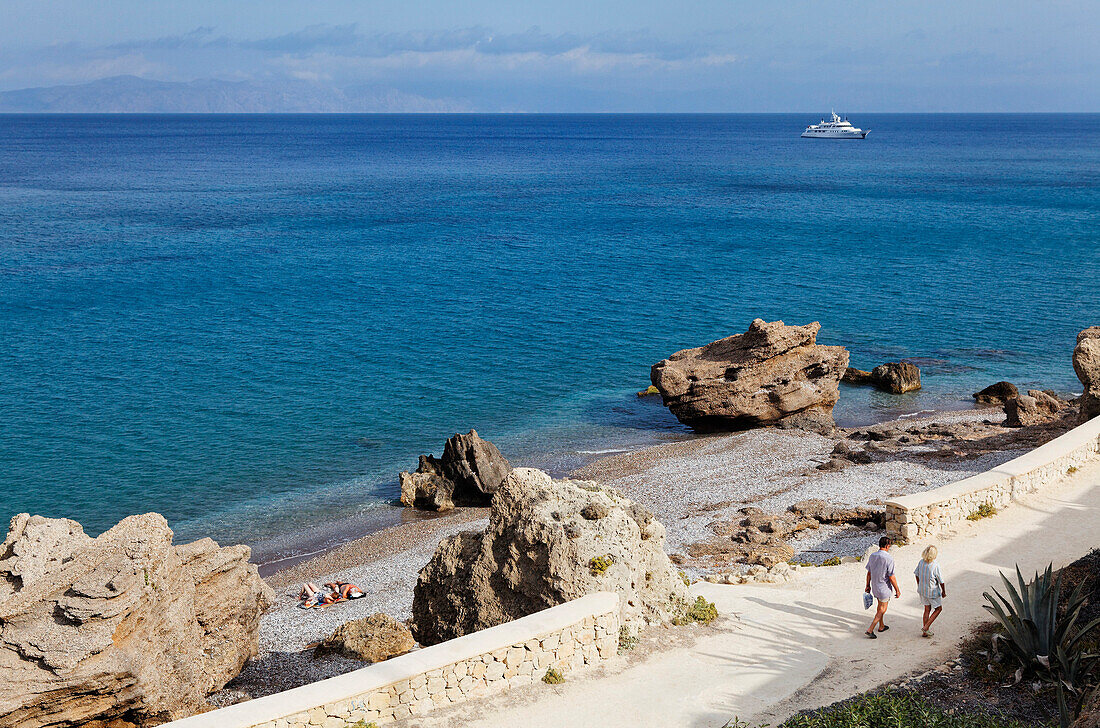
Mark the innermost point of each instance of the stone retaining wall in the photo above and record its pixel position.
(920, 515)
(567, 637)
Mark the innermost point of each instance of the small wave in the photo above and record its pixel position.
(600, 452)
(916, 414)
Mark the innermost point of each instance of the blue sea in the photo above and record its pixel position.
(251, 323)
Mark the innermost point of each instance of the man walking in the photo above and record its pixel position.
(881, 583)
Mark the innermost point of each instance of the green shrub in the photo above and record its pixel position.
(364, 724)
(985, 510)
(684, 578)
(649, 391)
(890, 709)
(834, 561)
(1043, 642)
(627, 641)
(599, 564)
(701, 611)
(1072, 469)
(553, 677)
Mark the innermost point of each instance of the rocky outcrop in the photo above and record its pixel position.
(856, 376)
(761, 538)
(547, 542)
(771, 374)
(468, 473)
(1034, 408)
(896, 377)
(371, 639)
(122, 629)
(1086, 362)
(996, 394)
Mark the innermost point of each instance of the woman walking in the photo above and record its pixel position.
(930, 588)
(881, 583)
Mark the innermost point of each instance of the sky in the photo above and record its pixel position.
(593, 55)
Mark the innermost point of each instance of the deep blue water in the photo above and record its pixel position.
(252, 323)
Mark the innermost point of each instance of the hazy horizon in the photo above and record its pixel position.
(565, 57)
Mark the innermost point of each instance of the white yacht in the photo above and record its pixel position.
(836, 129)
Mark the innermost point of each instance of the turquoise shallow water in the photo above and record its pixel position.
(250, 324)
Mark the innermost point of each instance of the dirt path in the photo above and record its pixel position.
(780, 649)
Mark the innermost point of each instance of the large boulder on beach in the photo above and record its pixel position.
(1033, 408)
(1086, 362)
(771, 374)
(469, 472)
(122, 629)
(996, 394)
(547, 542)
(371, 639)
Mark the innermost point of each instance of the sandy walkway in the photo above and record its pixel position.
(779, 649)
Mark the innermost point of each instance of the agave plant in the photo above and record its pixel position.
(1044, 644)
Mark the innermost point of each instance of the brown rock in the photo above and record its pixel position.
(122, 627)
(1033, 408)
(371, 639)
(771, 552)
(819, 510)
(896, 377)
(770, 374)
(539, 551)
(996, 393)
(1086, 362)
(856, 376)
(469, 472)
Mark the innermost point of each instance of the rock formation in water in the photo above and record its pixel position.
(547, 542)
(1086, 362)
(122, 629)
(371, 639)
(896, 377)
(996, 394)
(771, 374)
(856, 376)
(468, 473)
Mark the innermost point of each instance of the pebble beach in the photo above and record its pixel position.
(688, 485)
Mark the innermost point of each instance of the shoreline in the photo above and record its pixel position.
(276, 554)
(691, 485)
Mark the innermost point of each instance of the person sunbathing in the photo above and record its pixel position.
(344, 590)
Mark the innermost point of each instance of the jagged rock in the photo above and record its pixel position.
(771, 374)
(896, 377)
(468, 473)
(122, 628)
(539, 551)
(996, 393)
(1086, 362)
(768, 554)
(1033, 408)
(371, 639)
(856, 376)
(426, 488)
(822, 512)
(834, 464)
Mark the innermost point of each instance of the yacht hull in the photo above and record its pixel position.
(826, 135)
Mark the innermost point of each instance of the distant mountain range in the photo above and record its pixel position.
(130, 94)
